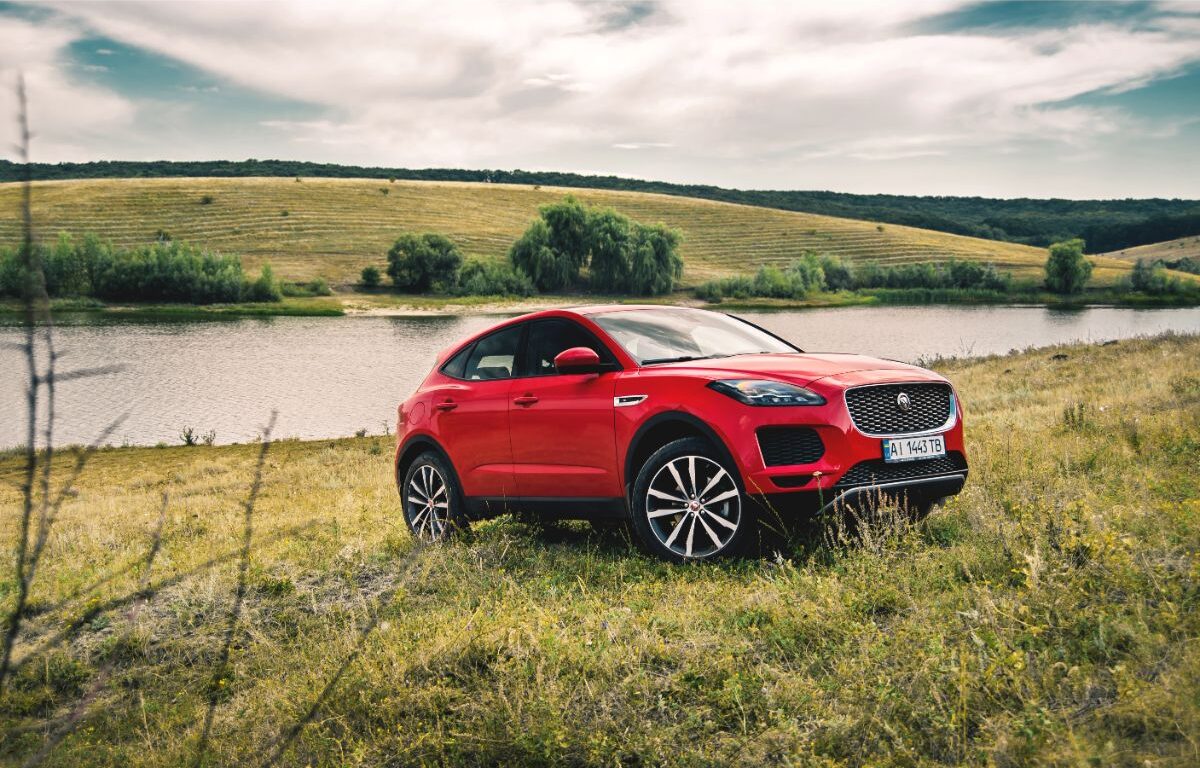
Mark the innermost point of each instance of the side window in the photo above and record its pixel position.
(547, 338)
(493, 357)
(458, 364)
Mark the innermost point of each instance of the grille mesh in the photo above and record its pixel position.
(878, 471)
(875, 411)
(784, 446)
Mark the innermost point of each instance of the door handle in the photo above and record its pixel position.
(446, 405)
(525, 400)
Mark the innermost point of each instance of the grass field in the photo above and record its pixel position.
(1047, 616)
(1170, 250)
(332, 228)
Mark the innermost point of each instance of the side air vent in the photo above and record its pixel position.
(785, 446)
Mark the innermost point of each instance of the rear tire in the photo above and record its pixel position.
(429, 497)
(688, 504)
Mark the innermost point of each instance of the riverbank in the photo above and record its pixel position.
(385, 304)
(1046, 615)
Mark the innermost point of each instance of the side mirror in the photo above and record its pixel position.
(577, 360)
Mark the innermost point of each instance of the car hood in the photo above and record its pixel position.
(802, 368)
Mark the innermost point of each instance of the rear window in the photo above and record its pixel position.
(493, 357)
(458, 363)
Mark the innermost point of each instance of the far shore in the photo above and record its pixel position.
(356, 303)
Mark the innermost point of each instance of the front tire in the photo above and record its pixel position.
(429, 496)
(688, 504)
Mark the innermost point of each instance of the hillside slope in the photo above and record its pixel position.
(334, 227)
(1169, 250)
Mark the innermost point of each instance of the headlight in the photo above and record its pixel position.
(761, 392)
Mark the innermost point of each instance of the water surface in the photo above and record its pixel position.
(330, 377)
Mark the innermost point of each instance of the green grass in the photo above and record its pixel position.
(335, 227)
(1047, 616)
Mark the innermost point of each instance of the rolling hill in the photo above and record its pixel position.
(333, 227)
(1169, 250)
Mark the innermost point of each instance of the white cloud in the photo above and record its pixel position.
(66, 117)
(751, 94)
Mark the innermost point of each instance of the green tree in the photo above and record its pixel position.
(611, 239)
(569, 232)
(371, 276)
(1067, 269)
(423, 263)
(533, 256)
(655, 264)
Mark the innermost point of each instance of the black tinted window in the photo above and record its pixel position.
(458, 363)
(493, 357)
(547, 338)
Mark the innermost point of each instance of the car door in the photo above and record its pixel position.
(472, 414)
(562, 424)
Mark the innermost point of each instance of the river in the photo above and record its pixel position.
(330, 377)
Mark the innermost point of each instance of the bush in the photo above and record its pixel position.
(371, 276)
(265, 288)
(1152, 278)
(489, 278)
(162, 271)
(167, 271)
(317, 287)
(838, 274)
(206, 200)
(1067, 269)
(423, 263)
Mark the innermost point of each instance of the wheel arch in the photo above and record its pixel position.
(667, 427)
(414, 447)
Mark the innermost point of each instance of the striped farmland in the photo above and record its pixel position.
(332, 228)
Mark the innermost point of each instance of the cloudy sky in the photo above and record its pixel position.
(919, 97)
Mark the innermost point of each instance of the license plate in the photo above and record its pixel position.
(912, 448)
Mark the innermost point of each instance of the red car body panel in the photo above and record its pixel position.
(563, 437)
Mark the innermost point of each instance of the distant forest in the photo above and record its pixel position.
(1105, 225)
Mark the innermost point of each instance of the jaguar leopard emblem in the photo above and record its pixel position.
(903, 402)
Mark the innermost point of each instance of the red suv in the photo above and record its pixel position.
(692, 426)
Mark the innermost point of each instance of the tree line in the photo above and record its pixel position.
(1103, 224)
(164, 271)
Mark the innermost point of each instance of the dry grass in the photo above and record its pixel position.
(335, 227)
(1049, 615)
(1169, 250)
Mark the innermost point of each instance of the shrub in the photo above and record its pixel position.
(838, 274)
(265, 288)
(166, 271)
(490, 278)
(206, 200)
(1152, 278)
(317, 287)
(371, 276)
(710, 292)
(421, 263)
(1067, 269)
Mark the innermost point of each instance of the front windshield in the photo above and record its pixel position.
(672, 335)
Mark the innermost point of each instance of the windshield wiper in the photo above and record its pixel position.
(681, 359)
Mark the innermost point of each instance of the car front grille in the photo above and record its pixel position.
(784, 446)
(876, 409)
(877, 471)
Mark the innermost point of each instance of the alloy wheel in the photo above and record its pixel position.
(693, 506)
(428, 502)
